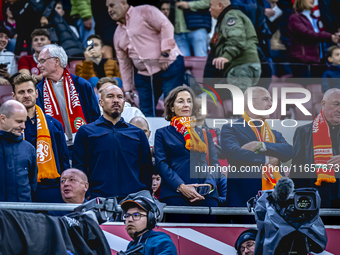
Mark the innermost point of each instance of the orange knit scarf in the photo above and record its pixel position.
(269, 177)
(186, 127)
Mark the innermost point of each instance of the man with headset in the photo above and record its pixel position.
(141, 211)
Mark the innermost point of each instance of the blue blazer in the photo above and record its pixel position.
(18, 169)
(87, 97)
(242, 186)
(176, 164)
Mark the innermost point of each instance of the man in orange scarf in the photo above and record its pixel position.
(317, 152)
(250, 142)
(46, 134)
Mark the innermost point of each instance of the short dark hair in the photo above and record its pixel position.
(40, 32)
(96, 37)
(331, 49)
(163, 2)
(21, 78)
(170, 100)
(105, 80)
(4, 30)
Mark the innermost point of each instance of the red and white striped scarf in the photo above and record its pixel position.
(74, 110)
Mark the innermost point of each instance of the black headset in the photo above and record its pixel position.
(151, 223)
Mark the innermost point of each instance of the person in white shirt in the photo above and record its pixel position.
(129, 111)
(8, 66)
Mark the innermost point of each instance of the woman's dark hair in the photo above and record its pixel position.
(171, 98)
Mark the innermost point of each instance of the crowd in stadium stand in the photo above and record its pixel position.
(84, 76)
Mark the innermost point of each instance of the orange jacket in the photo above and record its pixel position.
(86, 70)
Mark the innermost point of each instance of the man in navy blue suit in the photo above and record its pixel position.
(24, 91)
(246, 145)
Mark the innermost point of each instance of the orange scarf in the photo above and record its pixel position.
(186, 127)
(323, 151)
(74, 111)
(269, 177)
(47, 168)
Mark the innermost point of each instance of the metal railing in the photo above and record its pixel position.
(167, 209)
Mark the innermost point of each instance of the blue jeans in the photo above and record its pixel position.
(150, 88)
(83, 33)
(196, 39)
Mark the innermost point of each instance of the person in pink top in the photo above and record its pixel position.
(144, 39)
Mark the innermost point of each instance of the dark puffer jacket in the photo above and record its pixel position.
(66, 38)
(18, 169)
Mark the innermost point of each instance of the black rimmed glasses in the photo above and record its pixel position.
(43, 60)
(135, 216)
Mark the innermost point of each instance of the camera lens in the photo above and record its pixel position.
(304, 202)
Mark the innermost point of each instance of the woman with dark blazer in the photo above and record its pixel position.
(180, 154)
(306, 39)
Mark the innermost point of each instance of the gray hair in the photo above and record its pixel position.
(57, 51)
(330, 92)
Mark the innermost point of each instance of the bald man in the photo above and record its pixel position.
(141, 123)
(18, 163)
(73, 186)
(129, 111)
(320, 138)
(114, 155)
(246, 145)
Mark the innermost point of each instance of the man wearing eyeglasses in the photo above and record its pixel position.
(252, 146)
(140, 214)
(73, 187)
(68, 98)
(245, 243)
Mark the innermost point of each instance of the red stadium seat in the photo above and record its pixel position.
(5, 93)
(72, 66)
(317, 96)
(195, 65)
(160, 108)
(214, 111)
(228, 108)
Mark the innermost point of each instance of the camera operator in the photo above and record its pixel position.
(140, 214)
(245, 243)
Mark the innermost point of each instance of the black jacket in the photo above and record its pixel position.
(66, 38)
(304, 157)
(330, 15)
(27, 14)
(76, 234)
(18, 169)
